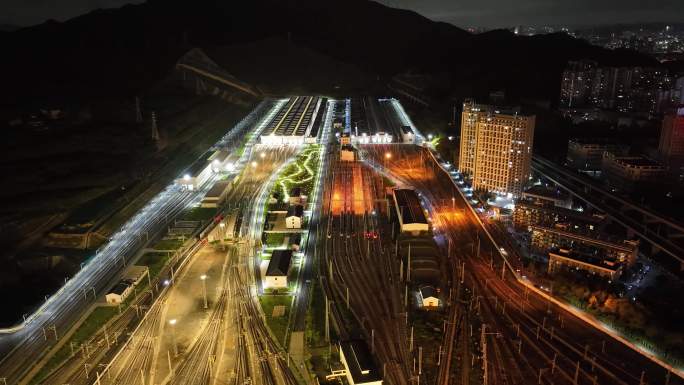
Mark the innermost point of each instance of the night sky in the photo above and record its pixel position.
(480, 13)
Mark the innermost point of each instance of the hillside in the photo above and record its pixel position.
(123, 51)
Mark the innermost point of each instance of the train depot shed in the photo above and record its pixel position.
(358, 361)
(409, 211)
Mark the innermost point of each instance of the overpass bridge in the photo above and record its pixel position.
(208, 76)
(661, 233)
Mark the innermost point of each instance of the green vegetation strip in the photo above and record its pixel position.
(98, 317)
(101, 315)
(300, 173)
(198, 214)
(278, 325)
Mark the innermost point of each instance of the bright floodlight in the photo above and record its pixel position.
(166, 282)
(222, 224)
(230, 167)
(254, 164)
(429, 136)
(186, 177)
(216, 162)
(262, 155)
(388, 155)
(172, 321)
(203, 277)
(451, 138)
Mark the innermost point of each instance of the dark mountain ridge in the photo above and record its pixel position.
(123, 51)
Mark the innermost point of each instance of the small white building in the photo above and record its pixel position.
(278, 267)
(130, 279)
(347, 154)
(295, 214)
(429, 297)
(409, 211)
(118, 293)
(197, 174)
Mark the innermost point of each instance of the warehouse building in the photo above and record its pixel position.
(429, 297)
(130, 279)
(295, 123)
(278, 267)
(409, 211)
(629, 172)
(295, 214)
(216, 195)
(358, 361)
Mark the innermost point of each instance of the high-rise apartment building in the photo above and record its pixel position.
(671, 146)
(496, 147)
(626, 89)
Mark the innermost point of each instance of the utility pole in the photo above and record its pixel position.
(168, 358)
(408, 267)
(173, 336)
(420, 360)
(411, 341)
(327, 319)
(203, 277)
(155, 129)
(483, 343)
(347, 297)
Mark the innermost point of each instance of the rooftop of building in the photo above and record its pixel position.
(409, 205)
(119, 288)
(545, 192)
(523, 204)
(593, 241)
(593, 141)
(473, 106)
(217, 189)
(279, 264)
(637, 161)
(601, 261)
(295, 210)
(135, 272)
(428, 291)
(360, 362)
(199, 165)
(219, 156)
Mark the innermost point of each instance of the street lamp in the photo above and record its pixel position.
(172, 322)
(388, 156)
(203, 277)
